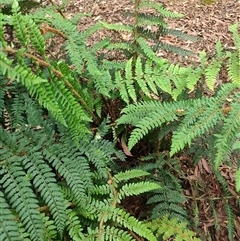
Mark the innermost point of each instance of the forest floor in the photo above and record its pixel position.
(209, 23)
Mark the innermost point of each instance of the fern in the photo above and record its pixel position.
(176, 229)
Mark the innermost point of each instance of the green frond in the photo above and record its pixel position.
(156, 115)
(211, 73)
(123, 218)
(236, 36)
(100, 45)
(203, 115)
(50, 228)
(230, 216)
(22, 199)
(226, 137)
(139, 74)
(237, 176)
(68, 170)
(19, 73)
(131, 189)
(159, 7)
(129, 80)
(17, 111)
(91, 30)
(2, 40)
(193, 77)
(36, 37)
(74, 226)
(129, 174)
(171, 228)
(9, 229)
(45, 95)
(19, 24)
(74, 52)
(45, 182)
(120, 85)
(118, 27)
(113, 233)
(215, 215)
(147, 49)
(175, 49)
(148, 19)
(234, 67)
(180, 34)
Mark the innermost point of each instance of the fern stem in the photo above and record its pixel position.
(57, 8)
(135, 31)
(114, 203)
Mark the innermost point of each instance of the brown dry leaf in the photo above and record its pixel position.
(125, 148)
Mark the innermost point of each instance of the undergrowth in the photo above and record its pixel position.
(62, 176)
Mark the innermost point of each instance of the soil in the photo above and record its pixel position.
(210, 23)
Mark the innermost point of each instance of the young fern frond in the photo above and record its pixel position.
(176, 230)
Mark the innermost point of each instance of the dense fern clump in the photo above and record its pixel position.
(59, 176)
(52, 185)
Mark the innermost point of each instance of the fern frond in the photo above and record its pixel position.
(120, 85)
(204, 115)
(17, 111)
(175, 49)
(159, 7)
(74, 226)
(230, 216)
(226, 137)
(2, 39)
(19, 73)
(22, 199)
(180, 34)
(130, 174)
(130, 222)
(211, 73)
(129, 80)
(45, 182)
(234, 67)
(118, 27)
(113, 233)
(147, 49)
(153, 119)
(236, 36)
(137, 188)
(172, 228)
(36, 37)
(148, 19)
(237, 177)
(9, 229)
(19, 24)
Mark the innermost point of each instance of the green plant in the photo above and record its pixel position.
(176, 229)
(212, 121)
(49, 188)
(59, 177)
